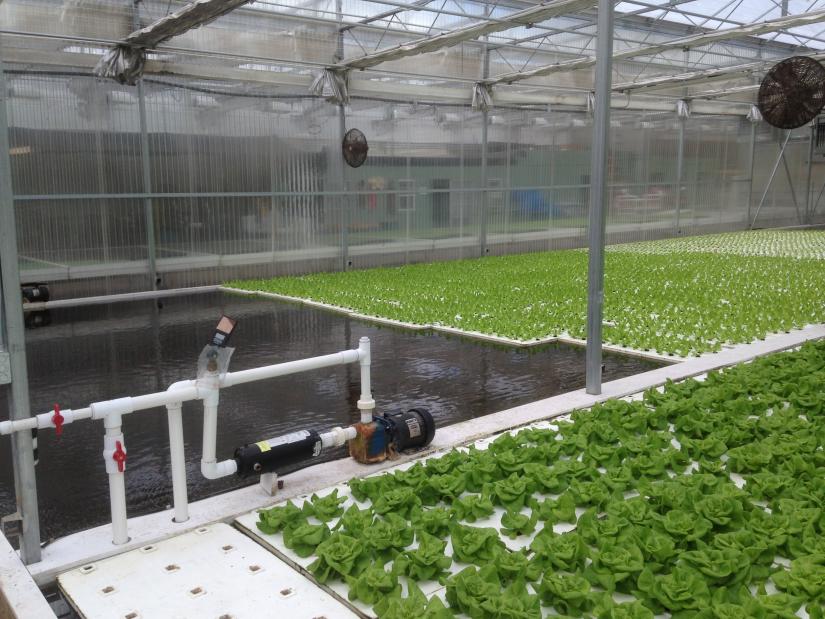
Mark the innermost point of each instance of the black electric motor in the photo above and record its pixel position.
(410, 430)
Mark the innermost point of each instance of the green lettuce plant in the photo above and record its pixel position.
(325, 508)
(474, 544)
(514, 524)
(276, 519)
(426, 562)
(339, 556)
(472, 507)
(414, 606)
(373, 585)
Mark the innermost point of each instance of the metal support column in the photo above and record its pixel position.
(21, 442)
(148, 209)
(485, 118)
(751, 164)
(680, 173)
(337, 156)
(808, 214)
(599, 196)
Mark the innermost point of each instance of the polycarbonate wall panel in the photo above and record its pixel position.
(248, 180)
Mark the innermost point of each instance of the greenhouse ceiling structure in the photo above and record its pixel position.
(433, 50)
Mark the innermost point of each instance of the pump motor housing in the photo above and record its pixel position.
(391, 433)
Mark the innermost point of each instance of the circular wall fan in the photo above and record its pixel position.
(355, 148)
(792, 93)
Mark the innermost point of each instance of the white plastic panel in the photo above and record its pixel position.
(212, 572)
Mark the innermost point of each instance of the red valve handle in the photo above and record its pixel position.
(57, 420)
(119, 456)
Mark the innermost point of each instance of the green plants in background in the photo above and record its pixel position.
(680, 296)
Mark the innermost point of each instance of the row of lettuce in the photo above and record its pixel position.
(681, 297)
(663, 522)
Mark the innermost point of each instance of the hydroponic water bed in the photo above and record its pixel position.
(681, 296)
(701, 499)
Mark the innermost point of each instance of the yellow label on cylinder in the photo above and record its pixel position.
(263, 446)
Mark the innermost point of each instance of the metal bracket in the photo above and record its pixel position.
(5, 368)
(270, 484)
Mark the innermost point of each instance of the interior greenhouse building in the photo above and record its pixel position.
(545, 276)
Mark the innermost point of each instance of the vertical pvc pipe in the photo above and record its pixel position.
(598, 197)
(210, 427)
(178, 459)
(21, 442)
(365, 403)
(117, 479)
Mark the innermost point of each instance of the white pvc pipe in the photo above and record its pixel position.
(117, 499)
(291, 367)
(365, 403)
(210, 428)
(111, 411)
(177, 457)
(209, 467)
(117, 479)
(338, 436)
(216, 470)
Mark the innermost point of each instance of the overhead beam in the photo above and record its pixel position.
(701, 77)
(687, 42)
(527, 17)
(193, 15)
(726, 92)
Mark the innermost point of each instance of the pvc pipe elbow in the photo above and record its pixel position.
(216, 470)
(180, 385)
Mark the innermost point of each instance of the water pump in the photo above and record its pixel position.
(384, 437)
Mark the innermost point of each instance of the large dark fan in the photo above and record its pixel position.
(355, 148)
(792, 93)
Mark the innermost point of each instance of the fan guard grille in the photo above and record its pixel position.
(354, 148)
(792, 93)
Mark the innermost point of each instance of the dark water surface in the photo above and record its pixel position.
(95, 353)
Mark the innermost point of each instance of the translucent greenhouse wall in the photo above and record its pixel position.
(248, 181)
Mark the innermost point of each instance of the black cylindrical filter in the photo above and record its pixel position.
(277, 453)
(412, 429)
(35, 293)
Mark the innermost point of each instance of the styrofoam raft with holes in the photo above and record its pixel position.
(214, 572)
